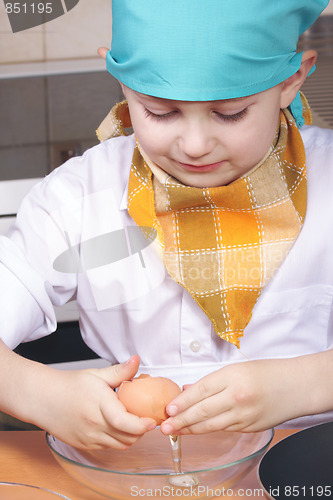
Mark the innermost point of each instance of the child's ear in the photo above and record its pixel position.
(102, 51)
(292, 85)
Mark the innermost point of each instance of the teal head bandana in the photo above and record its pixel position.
(203, 50)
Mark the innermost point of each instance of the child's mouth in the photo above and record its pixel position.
(201, 168)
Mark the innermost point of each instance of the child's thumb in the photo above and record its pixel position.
(116, 374)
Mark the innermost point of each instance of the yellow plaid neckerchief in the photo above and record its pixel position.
(223, 244)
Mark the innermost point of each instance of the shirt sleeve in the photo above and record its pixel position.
(21, 316)
(30, 286)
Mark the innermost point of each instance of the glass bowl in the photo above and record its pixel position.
(17, 491)
(210, 462)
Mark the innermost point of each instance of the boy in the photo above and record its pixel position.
(237, 266)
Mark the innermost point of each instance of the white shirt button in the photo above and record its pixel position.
(195, 346)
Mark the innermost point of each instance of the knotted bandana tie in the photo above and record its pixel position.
(223, 244)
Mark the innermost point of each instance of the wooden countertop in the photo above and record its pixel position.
(25, 458)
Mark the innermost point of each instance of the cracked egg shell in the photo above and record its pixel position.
(147, 396)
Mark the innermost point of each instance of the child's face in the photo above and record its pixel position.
(205, 144)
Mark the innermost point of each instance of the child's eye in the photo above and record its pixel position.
(232, 118)
(161, 117)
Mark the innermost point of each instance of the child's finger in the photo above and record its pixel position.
(116, 374)
(216, 423)
(204, 411)
(204, 388)
(119, 421)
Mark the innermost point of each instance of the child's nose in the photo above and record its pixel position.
(196, 140)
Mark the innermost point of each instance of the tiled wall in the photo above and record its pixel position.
(44, 119)
(77, 34)
(23, 149)
(329, 8)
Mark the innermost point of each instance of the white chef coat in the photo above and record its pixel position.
(131, 305)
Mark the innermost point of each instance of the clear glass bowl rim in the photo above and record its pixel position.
(156, 474)
(33, 486)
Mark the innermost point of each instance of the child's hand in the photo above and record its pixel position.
(249, 396)
(82, 409)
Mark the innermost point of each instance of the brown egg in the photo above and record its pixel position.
(147, 396)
